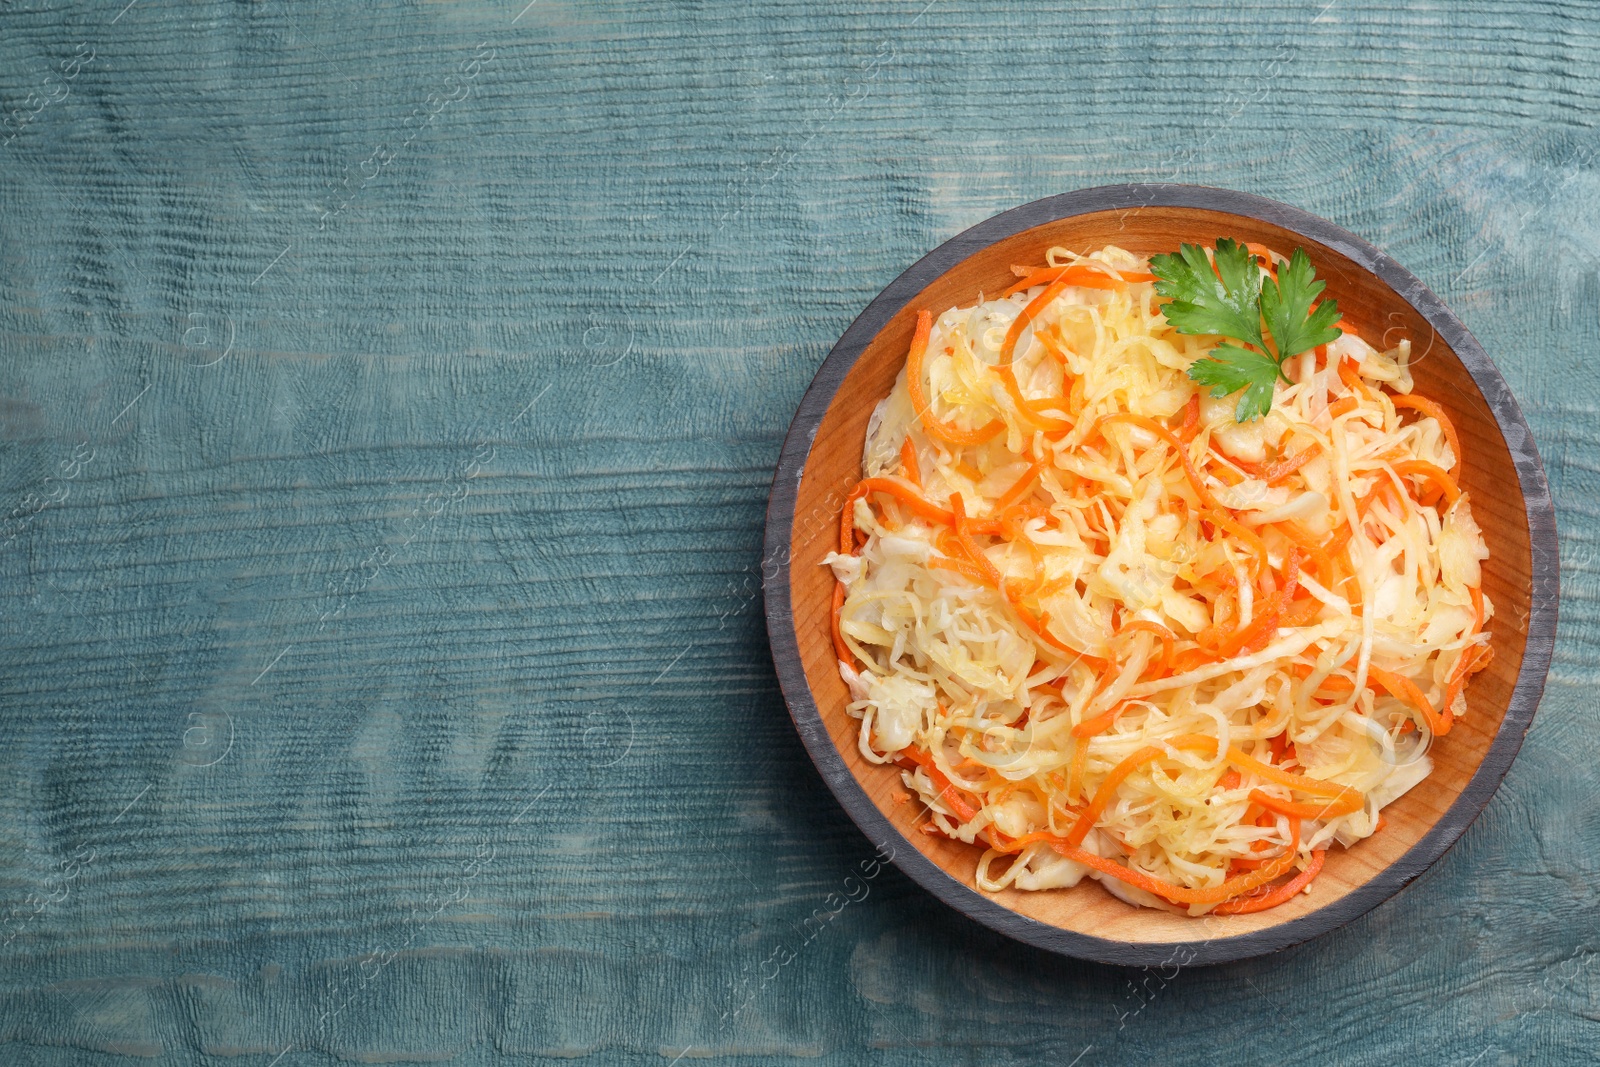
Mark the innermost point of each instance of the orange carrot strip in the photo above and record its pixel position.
(1424, 406)
(1244, 533)
(1015, 493)
(1077, 274)
(1189, 659)
(1343, 795)
(1301, 612)
(919, 396)
(1146, 423)
(1311, 545)
(1405, 689)
(962, 567)
(840, 649)
(1466, 666)
(1278, 776)
(1285, 467)
(1102, 797)
(1075, 769)
(1341, 806)
(1423, 469)
(1473, 660)
(1191, 419)
(1342, 406)
(1100, 723)
(947, 790)
(908, 463)
(1008, 377)
(1256, 635)
(919, 504)
(1037, 624)
(1350, 375)
(1229, 889)
(1053, 350)
(1168, 638)
(1250, 638)
(977, 567)
(1340, 538)
(1265, 253)
(959, 509)
(1244, 905)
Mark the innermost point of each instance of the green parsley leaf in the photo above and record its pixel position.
(1203, 302)
(1285, 305)
(1229, 369)
(1231, 299)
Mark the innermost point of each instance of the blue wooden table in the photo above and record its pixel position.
(388, 400)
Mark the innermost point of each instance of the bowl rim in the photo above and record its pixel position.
(1543, 553)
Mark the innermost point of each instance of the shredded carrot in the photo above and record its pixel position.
(1258, 547)
(1097, 806)
(1146, 423)
(1020, 487)
(840, 649)
(1244, 905)
(1406, 690)
(1302, 612)
(908, 463)
(1341, 806)
(1350, 375)
(1191, 419)
(1473, 659)
(964, 537)
(1311, 544)
(1265, 254)
(1423, 469)
(1342, 406)
(1424, 406)
(1015, 535)
(1189, 659)
(1100, 723)
(1262, 627)
(1169, 640)
(1076, 768)
(1341, 536)
(951, 796)
(967, 471)
(919, 504)
(1285, 467)
(1026, 408)
(1278, 776)
(1229, 889)
(1077, 274)
(1052, 350)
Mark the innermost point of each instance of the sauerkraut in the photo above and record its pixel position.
(1104, 629)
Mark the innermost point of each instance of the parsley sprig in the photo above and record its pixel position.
(1275, 319)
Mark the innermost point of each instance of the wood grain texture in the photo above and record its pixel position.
(665, 215)
(821, 464)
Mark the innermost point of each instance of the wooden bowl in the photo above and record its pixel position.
(821, 461)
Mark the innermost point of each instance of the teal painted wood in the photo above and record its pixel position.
(357, 710)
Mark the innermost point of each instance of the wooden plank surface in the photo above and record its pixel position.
(388, 399)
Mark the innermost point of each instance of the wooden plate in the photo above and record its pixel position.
(821, 461)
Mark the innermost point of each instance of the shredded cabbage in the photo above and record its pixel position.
(1091, 661)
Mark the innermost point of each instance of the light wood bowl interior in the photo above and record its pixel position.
(1382, 316)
